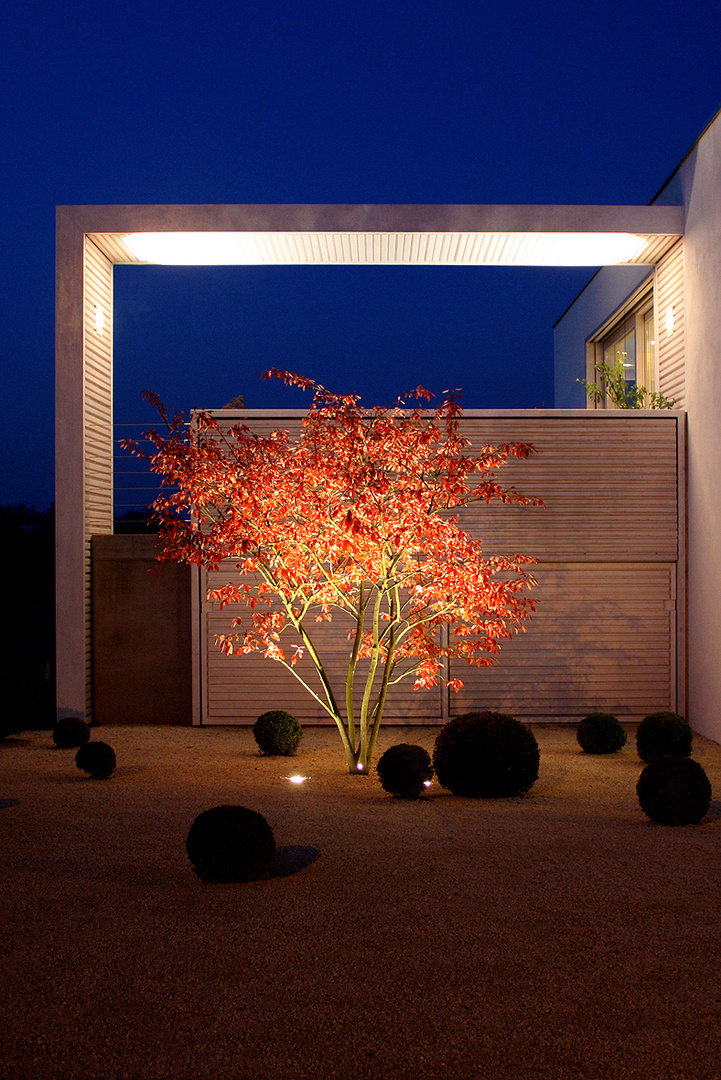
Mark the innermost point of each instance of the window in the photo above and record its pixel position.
(630, 339)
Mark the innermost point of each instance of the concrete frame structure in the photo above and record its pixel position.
(695, 187)
(91, 239)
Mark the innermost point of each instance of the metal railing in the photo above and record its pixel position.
(134, 485)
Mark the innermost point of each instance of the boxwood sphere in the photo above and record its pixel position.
(600, 733)
(277, 733)
(96, 758)
(674, 791)
(663, 733)
(69, 732)
(487, 754)
(403, 770)
(230, 844)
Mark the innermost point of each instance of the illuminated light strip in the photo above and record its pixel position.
(580, 249)
(196, 248)
(489, 249)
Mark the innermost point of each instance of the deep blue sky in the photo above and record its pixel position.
(305, 101)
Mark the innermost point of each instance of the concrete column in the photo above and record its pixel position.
(83, 446)
(69, 469)
(701, 178)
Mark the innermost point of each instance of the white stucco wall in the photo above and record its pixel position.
(701, 183)
(697, 185)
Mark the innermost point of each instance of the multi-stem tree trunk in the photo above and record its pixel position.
(360, 726)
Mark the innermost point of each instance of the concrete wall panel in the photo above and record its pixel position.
(141, 638)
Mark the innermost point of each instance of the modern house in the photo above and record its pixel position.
(617, 575)
(676, 304)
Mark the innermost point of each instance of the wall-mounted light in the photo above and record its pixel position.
(99, 320)
(670, 321)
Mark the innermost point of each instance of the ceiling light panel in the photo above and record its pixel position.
(447, 248)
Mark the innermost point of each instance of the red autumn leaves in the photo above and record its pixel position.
(355, 518)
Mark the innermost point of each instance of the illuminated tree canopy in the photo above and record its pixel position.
(354, 516)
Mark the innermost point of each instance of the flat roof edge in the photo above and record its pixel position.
(377, 217)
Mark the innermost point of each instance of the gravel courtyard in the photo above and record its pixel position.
(558, 935)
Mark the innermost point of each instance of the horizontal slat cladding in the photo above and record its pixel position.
(98, 392)
(603, 636)
(98, 398)
(602, 639)
(260, 425)
(600, 484)
(111, 244)
(671, 347)
(98, 378)
(238, 686)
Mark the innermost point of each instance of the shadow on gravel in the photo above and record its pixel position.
(291, 859)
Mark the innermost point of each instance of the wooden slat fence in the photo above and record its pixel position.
(610, 581)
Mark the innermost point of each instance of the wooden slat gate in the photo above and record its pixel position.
(608, 631)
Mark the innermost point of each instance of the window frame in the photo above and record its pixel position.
(633, 313)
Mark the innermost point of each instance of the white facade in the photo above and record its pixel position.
(695, 311)
(701, 185)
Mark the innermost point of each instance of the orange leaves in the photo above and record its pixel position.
(427, 674)
(273, 651)
(225, 644)
(353, 516)
(298, 653)
(291, 380)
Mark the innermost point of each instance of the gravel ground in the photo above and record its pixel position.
(558, 935)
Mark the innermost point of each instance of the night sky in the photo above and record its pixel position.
(460, 102)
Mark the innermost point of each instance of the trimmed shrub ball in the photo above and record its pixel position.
(404, 769)
(662, 734)
(230, 844)
(674, 791)
(600, 733)
(277, 733)
(96, 758)
(69, 732)
(486, 754)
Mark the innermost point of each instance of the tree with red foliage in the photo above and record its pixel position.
(353, 517)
